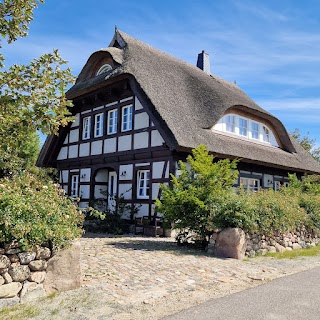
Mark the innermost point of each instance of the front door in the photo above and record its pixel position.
(112, 190)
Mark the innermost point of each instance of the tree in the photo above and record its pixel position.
(307, 143)
(32, 96)
(187, 203)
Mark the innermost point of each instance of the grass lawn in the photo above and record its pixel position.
(308, 252)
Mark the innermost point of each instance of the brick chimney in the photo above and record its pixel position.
(203, 62)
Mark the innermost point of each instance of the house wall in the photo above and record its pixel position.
(124, 152)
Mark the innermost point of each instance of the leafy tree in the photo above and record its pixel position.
(307, 143)
(188, 202)
(32, 96)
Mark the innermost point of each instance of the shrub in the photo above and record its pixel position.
(33, 212)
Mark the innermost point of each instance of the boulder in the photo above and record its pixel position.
(271, 249)
(231, 243)
(7, 302)
(296, 246)
(43, 253)
(37, 276)
(6, 276)
(13, 258)
(26, 257)
(4, 262)
(2, 281)
(38, 265)
(19, 273)
(63, 272)
(31, 291)
(279, 247)
(10, 290)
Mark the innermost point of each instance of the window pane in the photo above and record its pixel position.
(230, 123)
(255, 130)
(243, 127)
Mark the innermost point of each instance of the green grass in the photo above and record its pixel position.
(308, 252)
(18, 312)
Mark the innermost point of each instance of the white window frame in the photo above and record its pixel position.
(230, 123)
(241, 128)
(252, 131)
(112, 126)
(143, 184)
(266, 134)
(74, 186)
(105, 68)
(86, 128)
(126, 122)
(98, 125)
(247, 184)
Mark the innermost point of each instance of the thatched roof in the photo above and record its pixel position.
(189, 102)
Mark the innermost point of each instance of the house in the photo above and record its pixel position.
(139, 110)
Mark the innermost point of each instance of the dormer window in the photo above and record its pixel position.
(245, 127)
(105, 68)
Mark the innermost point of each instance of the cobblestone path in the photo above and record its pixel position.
(138, 269)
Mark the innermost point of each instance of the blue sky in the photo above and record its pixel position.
(270, 48)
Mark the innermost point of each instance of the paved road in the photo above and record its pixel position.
(294, 297)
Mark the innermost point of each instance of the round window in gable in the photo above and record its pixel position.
(105, 68)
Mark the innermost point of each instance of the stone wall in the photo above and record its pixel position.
(22, 273)
(234, 243)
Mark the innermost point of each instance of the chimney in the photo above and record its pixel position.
(203, 62)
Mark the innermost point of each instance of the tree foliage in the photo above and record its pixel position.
(32, 96)
(187, 203)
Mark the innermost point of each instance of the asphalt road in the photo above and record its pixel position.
(295, 297)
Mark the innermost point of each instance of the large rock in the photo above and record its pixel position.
(4, 262)
(31, 291)
(37, 276)
(296, 246)
(26, 257)
(63, 272)
(19, 273)
(2, 281)
(38, 265)
(6, 276)
(10, 290)
(279, 247)
(231, 243)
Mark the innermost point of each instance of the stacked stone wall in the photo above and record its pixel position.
(22, 273)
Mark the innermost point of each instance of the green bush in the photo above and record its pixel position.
(33, 212)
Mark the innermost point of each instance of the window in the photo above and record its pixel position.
(230, 123)
(250, 184)
(266, 134)
(103, 69)
(112, 121)
(75, 185)
(255, 130)
(98, 125)
(243, 127)
(86, 128)
(126, 118)
(143, 184)
(277, 185)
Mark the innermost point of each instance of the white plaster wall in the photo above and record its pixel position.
(65, 176)
(157, 168)
(96, 147)
(86, 172)
(143, 210)
(84, 149)
(167, 175)
(83, 204)
(98, 108)
(124, 143)
(66, 139)
(138, 105)
(155, 190)
(128, 168)
(126, 190)
(109, 145)
(65, 188)
(111, 104)
(74, 135)
(141, 120)
(156, 139)
(97, 191)
(76, 121)
(267, 177)
(63, 153)
(84, 191)
(102, 175)
(73, 151)
(141, 140)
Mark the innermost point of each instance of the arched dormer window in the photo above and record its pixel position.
(245, 127)
(103, 69)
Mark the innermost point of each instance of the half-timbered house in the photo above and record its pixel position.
(139, 110)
